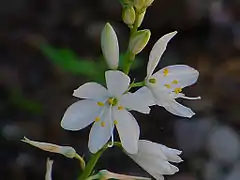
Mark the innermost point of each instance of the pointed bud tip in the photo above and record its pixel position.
(139, 41)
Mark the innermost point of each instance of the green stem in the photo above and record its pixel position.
(91, 164)
(130, 56)
(138, 84)
(93, 161)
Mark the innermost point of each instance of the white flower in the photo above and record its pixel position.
(67, 151)
(48, 175)
(106, 108)
(165, 85)
(110, 48)
(154, 157)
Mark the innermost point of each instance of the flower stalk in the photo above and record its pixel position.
(91, 164)
(130, 56)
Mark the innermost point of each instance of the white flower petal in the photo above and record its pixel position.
(160, 95)
(152, 158)
(80, 114)
(156, 175)
(128, 130)
(154, 164)
(171, 154)
(147, 148)
(185, 75)
(136, 102)
(91, 90)
(157, 51)
(117, 82)
(178, 109)
(100, 132)
(109, 44)
(146, 94)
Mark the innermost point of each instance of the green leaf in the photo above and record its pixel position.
(68, 60)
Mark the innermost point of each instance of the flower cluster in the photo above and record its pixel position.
(110, 106)
(107, 107)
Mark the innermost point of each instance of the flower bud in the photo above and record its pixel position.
(139, 4)
(140, 18)
(110, 48)
(67, 151)
(139, 41)
(127, 3)
(148, 3)
(128, 15)
(105, 174)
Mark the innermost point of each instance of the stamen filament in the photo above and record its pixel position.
(191, 98)
(110, 123)
(181, 95)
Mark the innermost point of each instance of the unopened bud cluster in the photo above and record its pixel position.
(133, 7)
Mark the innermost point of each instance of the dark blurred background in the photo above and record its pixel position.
(36, 87)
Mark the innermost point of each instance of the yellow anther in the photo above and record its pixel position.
(110, 101)
(115, 122)
(97, 119)
(167, 86)
(100, 103)
(178, 90)
(175, 82)
(103, 124)
(165, 72)
(152, 80)
(120, 107)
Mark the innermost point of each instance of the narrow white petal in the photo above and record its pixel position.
(185, 75)
(100, 132)
(109, 44)
(128, 130)
(91, 90)
(111, 175)
(80, 114)
(136, 102)
(117, 82)
(178, 109)
(157, 51)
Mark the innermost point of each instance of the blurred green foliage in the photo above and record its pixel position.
(69, 61)
(20, 101)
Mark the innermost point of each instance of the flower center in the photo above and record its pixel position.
(152, 81)
(112, 101)
(178, 90)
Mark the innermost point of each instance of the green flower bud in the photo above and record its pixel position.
(109, 45)
(139, 4)
(139, 41)
(127, 3)
(140, 18)
(148, 3)
(128, 15)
